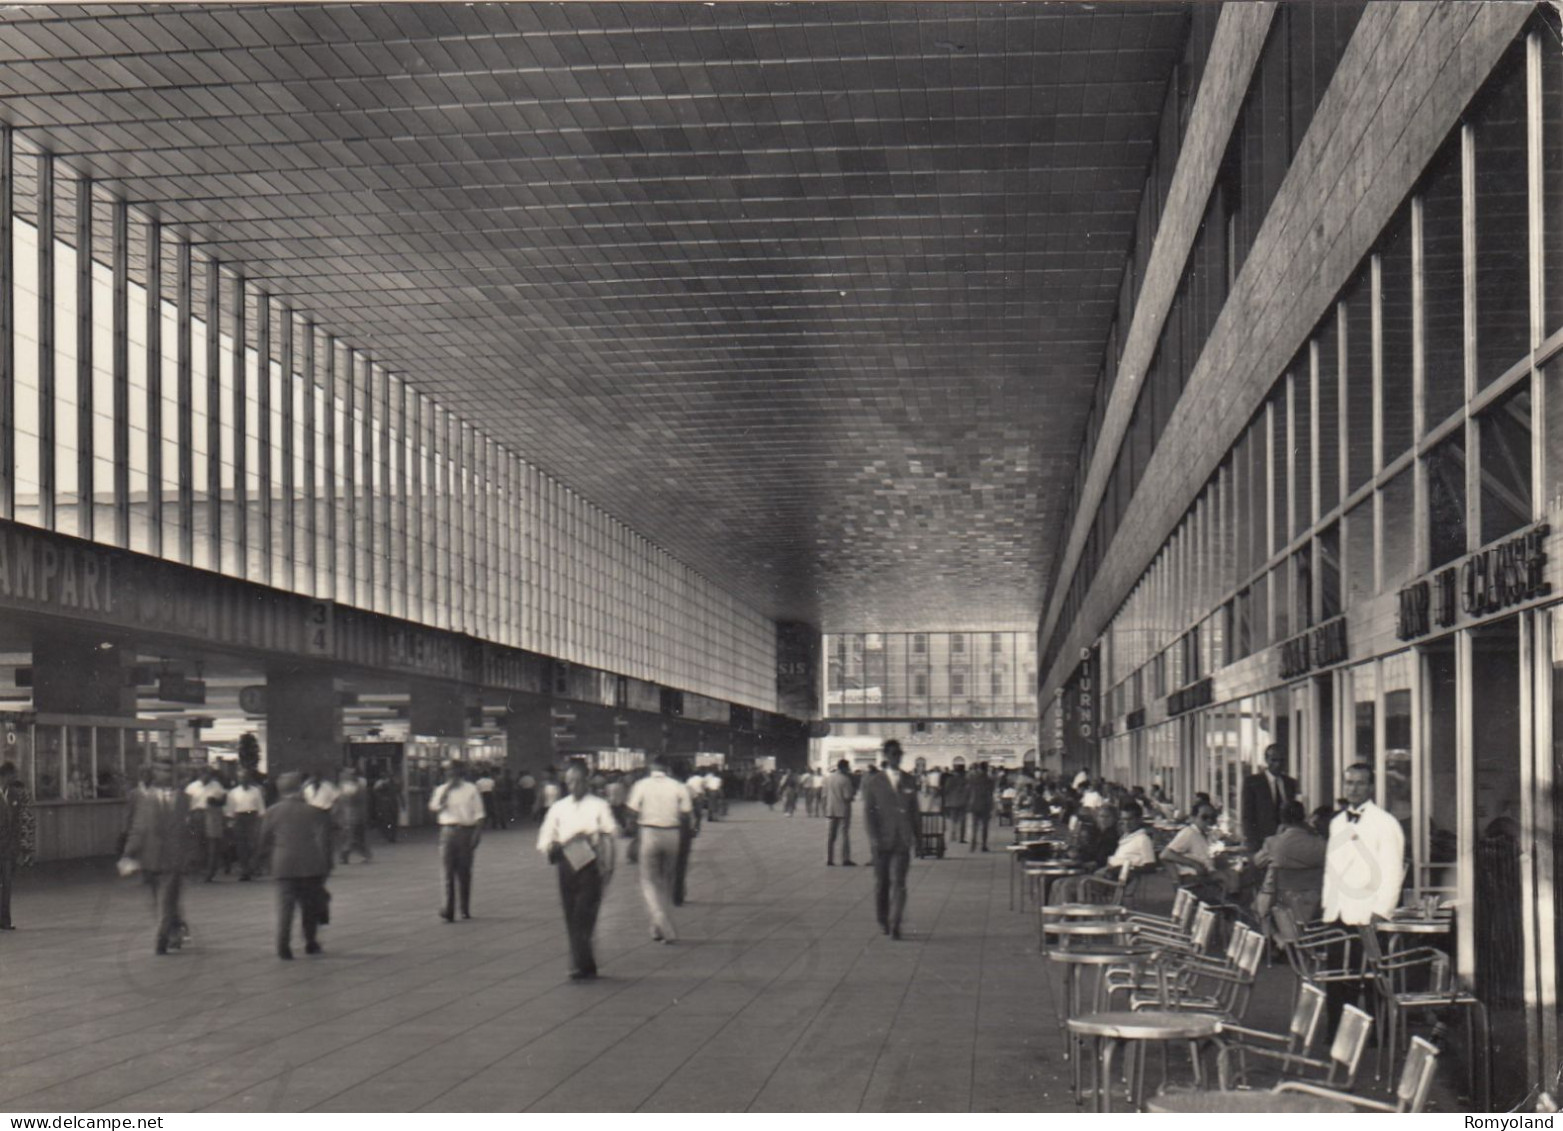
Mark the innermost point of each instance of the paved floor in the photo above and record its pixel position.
(781, 995)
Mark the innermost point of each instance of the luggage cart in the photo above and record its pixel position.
(930, 835)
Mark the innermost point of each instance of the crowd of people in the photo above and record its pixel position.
(1340, 862)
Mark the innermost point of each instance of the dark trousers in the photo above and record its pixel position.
(581, 894)
(165, 903)
(457, 846)
(491, 810)
(246, 833)
(890, 865)
(7, 876)
(686, 841)
(390, 816)
(979, 824)
(309, 894)
(843, 825)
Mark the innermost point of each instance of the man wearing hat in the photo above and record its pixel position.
(296, 837)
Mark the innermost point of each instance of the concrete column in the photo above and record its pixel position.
(82, 675)
(528, 733)
(438, 710)
(303, 720)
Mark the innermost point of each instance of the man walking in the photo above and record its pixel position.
(296, 838)
(661, 807)
(839, 792)
(957, 793)
(207, 795)
(1264, 796)
(459, 807)
(890, 811)
(245, 803)
(158, 843)
(350, 812)
(578, 838)
(688, 830)
(979, 804)
(16, 842)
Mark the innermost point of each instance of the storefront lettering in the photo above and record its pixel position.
(1329, 643)
(1200, 694)
(1295, 656)
(1446, 584)
(1414, 602)
(61, 576)
(1506, 574)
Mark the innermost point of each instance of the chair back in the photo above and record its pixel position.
(1203, 926)
(1306, 1017)
(1250, 955)
(1351, 1039)
(1416, 1079)
(1372, 959)
(1183, 907)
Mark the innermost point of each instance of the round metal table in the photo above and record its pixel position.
(1066, 1000)
(1111, 1029)
(1050, 870)
(1246, 1103)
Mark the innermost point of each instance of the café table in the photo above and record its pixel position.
(1048, 871)
(1245, 1103)
(1088, 928)
(1114, 1028)
(1067, 1000)
(1402, 930)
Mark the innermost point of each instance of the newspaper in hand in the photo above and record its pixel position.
(579, 852)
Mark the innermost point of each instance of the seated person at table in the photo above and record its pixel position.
(1190, 852)
(1294, 858)
(1097, 838)
(1133, 853)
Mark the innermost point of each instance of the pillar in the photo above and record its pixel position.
(438, 710)
(529, 745)
(83, 675)
(303, 720)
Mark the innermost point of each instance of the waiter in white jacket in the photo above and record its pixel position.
(1364, 866)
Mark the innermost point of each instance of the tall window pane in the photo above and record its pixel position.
(1446, 500)
(1502, 222)
(1505, 449)
(1399, 551)
(1396, 319)
(1359, 553)
(1302, 444)
(1327, 354)
(1443, 324)
(1357, 307)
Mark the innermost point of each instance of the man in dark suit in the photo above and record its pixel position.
(296, 837)
(890, 812)
(159, 843)
(15, 838)
(1264, 794)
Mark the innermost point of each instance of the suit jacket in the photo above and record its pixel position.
(297, 837)
(159, 835)
(890, 811)
(979, 788)
(839, 792)
(1261, 815)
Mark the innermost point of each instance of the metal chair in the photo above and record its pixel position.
(1394, 1000)
(1131, 977)
(1200, 985)
(1416, 1081)
(1338, 1069)
(1237, 1041)
(1318, 955)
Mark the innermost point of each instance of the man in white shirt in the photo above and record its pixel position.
(244, 805)
(206, 795)
(1364, 864)
(716, 800)
(1135, 851)
(661, 806)
(459, 806)
(578, 837)
(687, 831)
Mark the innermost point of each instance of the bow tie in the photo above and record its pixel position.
(1354, 815)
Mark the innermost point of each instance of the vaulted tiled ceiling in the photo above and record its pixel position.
(813, 295)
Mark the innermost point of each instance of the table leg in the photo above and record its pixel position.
(1104, 1093)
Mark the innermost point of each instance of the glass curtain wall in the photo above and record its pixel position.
(165, 403)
